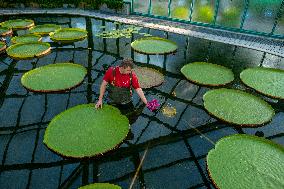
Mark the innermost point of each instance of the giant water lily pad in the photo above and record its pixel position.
(247, 162)
(28, 50)
(148, 77)
(118, 33)
(100, 186)
(18, 24)
(237, 107)
(68, 35)
(54, 77)
(44, 29)
(28, 38)
(154, 45)
(2, 46)
(268, 81)
(207, 74)
(5, 31)
(84, 131)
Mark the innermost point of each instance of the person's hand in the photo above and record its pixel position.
(99, 104)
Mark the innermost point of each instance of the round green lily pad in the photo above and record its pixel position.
(2, 46)
(100, 186)
(154, 45)
(268, 81)
(28, 50)
(207, 74)
(148, 77)
(5, 31)
(67, 35)
(248, 162)
(28, 38)
(18, 24)
(44, 29)
(84, 131)
(237, 107)
(54, 77)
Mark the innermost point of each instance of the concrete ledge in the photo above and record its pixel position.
(264, 44)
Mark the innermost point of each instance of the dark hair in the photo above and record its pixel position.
(127, 62)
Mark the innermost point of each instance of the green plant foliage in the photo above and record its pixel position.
(84, 131)
(18, 24)
(5, 31)
(207, 74)
(268, 81)
(154, 45)
(204, 14)
(68, 35)
(124, 32)
(231, 16)
(54, 77)
(245, 161)
(180, 12)
(159, 10)
(100, 186)
(28, 50)
(2, 46)
(148, 77)
(28, 38)
(44, 29)
(237, 107)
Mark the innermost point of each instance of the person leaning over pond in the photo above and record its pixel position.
(121, 79)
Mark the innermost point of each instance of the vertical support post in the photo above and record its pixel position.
(132, 6)
(217, 4)
(278, 16)
(150, 7)
(191, 10)
(169, 8)
(244, 14)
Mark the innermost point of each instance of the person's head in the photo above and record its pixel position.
(126, 66)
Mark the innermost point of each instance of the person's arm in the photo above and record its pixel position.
(102, 92)
(141, 95)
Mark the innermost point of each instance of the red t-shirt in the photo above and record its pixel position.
(121, 80)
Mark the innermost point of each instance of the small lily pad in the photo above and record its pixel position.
(154, 45)
(148, 77)
(2, 46)
(207, 74)
(268, 81)
(54, 77)
(237, 107)
(5, 31)
(84, 131)
(100, 186)
(245, 161)
(44, 29)
(28, 50)
(68, 35)
(28, 38)
(18, 24)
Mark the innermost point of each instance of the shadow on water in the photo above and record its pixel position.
(176, 146)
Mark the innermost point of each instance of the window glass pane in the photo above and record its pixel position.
(180, 9)
(203, 11)
(160, 7)
(141, 6)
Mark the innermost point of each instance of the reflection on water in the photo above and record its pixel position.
(176, 145)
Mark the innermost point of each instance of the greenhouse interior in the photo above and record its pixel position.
(142, 94)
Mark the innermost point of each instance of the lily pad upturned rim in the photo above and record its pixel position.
(243, 93)
(68, 40)
(241, 137)
(152, 69)
(19, 27)
(209, 64)
(153, 38)
(13, 39)
(53, 65)
(3, 47)
(58, 27)
(7, 33)
(93, 106)
(261, 92)
(17, 57)
(105, 185)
